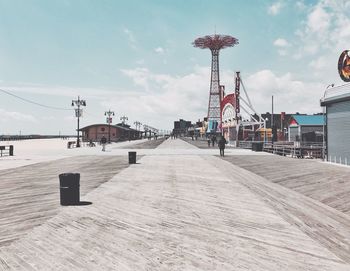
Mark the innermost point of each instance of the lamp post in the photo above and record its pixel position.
(78, 114)
(145, 128)
(124, 119)
(138, 125)
(109, 113)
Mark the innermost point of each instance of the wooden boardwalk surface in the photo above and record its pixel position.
(29, 195)
(187, 212)
(329, 184)
(149, 144)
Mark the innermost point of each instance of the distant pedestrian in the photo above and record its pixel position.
(103, 143)
(213, 140)
(222, 143)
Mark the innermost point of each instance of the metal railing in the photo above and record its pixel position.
(307, 150)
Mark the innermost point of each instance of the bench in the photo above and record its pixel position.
(71, 144)
(6, 150)
(91, 144)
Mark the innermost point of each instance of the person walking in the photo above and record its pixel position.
(103, 143)
(213, 140)
(222, 143)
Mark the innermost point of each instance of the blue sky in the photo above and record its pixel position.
(136, 58)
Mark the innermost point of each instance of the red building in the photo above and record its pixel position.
(117, 132)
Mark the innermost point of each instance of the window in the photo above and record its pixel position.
(102, 129)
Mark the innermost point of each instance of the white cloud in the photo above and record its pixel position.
(319, 63)
(290, 95)
(159, 50)
(138, 75)
(10, 116)
(48, 118)
(319, 20)
(281, 42)
(167, 97)
(321, 37)
(275, 8)
(282, 52)
(170, 97)
(140, 62)
(63, 91)
(143, 77)
(300, 5)
(131, 37)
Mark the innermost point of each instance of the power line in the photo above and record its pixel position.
(32, 102)
(91, 115)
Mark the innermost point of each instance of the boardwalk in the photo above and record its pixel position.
(30, 194)
(321, 181)
(185, 211)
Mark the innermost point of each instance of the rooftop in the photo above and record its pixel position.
(336, 94)
(317, 120)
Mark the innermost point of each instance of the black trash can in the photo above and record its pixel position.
(257, 146)
(69, 188)
(132, 157)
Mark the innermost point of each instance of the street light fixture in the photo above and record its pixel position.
(78, 114)
(123, 119)
(109, 113)
(138, 126)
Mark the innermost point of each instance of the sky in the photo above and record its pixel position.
(136, 58)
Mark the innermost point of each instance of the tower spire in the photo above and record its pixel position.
(215, 43)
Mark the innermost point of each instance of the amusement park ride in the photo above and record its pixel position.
(215, 43)
(242, 114)
(245, 116)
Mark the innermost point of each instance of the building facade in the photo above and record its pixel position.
(306, 128)
(117, 132)
(181, 127)
(336, 102)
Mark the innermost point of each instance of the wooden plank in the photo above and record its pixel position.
(324, 182)
(184, 212)
(30, 194)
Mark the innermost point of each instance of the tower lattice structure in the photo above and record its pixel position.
(215, 43)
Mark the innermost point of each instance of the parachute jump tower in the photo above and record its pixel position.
(215, 43)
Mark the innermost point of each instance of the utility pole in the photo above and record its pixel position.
(272, 112)
(272, 123)
(109, 113)
(78, 114)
